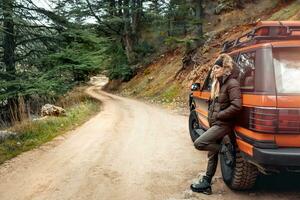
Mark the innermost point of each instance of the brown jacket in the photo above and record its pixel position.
(224, 108)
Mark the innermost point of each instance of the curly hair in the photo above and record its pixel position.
(228, 65)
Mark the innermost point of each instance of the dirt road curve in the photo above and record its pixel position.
(130, 151)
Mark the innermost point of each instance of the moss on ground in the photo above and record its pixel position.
(170, 93)
(287, 12)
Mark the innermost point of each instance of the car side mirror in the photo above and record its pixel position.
(195, 87)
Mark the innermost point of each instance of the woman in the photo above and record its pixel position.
(224, 105)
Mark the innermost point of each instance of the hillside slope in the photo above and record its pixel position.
(167, 82)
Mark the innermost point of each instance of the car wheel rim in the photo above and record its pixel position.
(195, 125)
(228, 159)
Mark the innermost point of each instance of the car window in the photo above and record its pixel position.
(234, 57)
(207, 83)
(246, 64)
(287, 69)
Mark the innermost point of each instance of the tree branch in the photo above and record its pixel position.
(99, 19)
(28, 54)
(34, 39)
(54, 17)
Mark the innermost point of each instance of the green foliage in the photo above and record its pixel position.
(55, 74)
(173, 42)
(144, 49)
(123, 72)
(75, 62)
(115, 61)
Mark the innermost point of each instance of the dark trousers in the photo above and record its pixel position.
(210, 141)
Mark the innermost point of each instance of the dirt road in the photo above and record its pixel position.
(130, 150)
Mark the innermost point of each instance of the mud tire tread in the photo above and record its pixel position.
(244, 174)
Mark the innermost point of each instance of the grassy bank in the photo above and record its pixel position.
(34, 133)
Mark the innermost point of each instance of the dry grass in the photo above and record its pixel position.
(291, 12)
(31, 134)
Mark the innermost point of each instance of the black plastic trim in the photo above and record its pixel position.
(265, 144)
(278, 157)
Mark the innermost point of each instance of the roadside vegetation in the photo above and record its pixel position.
(31, 134)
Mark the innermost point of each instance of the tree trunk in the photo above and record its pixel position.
(136, 19)
(199, 17)
(9, 46)
(112, 7)
(170, 20)
(120, 5)
(127, 32)
(170, 26)
(155, 6)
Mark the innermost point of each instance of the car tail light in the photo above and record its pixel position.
(274, 120)
(289, 121)
(263, 120)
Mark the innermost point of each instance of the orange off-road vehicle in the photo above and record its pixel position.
(266, 137)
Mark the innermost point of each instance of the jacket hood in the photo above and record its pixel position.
(234, 74)
(231, 70)
(235, 71)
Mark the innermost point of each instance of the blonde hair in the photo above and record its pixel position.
(228, 67)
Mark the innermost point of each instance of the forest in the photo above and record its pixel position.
(47, 50)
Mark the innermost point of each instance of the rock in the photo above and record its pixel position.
(51, 110)
(151, 78)
(6, 134)
(188, 194)
(225, 5)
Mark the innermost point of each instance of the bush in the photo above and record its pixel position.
(143, 49)
(123, 72)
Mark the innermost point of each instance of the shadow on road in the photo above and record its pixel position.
(283, 182)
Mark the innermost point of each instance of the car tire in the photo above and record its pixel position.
(237, 173)
(192, 106)
(193, 125)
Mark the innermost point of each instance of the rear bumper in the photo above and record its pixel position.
(285, 157)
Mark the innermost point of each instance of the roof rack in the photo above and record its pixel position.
(265, 32)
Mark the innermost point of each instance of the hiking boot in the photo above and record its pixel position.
(203, 186)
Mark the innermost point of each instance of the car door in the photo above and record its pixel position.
(201, 99)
